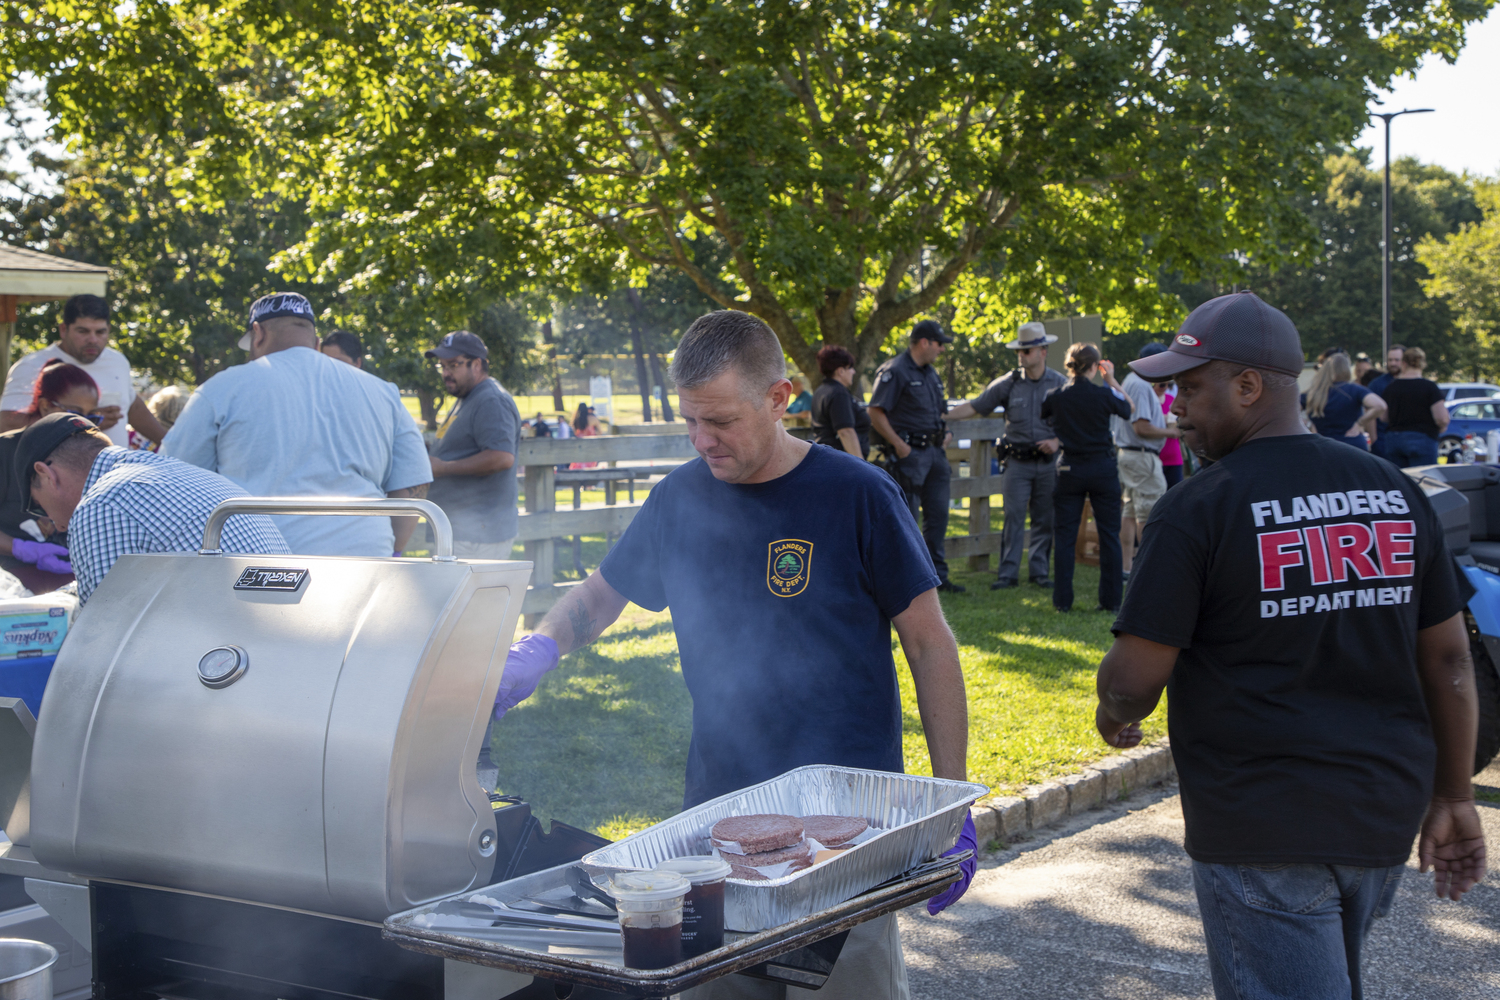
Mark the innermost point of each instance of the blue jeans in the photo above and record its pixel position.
(1290, 932)
(1098, 481)
(1408, 448)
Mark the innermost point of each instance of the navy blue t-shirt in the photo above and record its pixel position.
(1345, 405)
(782, 595)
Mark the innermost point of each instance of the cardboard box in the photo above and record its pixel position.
(30, 628)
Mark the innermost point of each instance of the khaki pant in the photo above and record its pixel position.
(483, 550)
(1142, 482)
(869, 968)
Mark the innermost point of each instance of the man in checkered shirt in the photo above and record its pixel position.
(112, 501)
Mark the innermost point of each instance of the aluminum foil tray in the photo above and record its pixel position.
(916, 819)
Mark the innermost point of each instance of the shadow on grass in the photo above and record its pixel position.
(603, 742)
(1029, 672)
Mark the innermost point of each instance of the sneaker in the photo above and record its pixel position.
(949, 587)
(1003, 584)
(1041, 581)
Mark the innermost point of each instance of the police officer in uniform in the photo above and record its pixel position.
(1029, 451)
(907, 410)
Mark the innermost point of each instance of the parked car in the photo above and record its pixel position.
(1467, 416)
(1469, 390)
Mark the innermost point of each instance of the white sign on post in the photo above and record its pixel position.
(601, 397)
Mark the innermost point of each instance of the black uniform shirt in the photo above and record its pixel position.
(1080, 413)
(834, 408)
(1022, 398)
(1294, 574)
(910, 394)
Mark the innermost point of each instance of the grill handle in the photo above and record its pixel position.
(442, 529)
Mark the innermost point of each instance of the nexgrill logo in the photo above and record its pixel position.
(270, 578)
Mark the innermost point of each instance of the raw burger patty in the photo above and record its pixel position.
(757, 834)
(831, 831)
(751, 875)
(767, 858)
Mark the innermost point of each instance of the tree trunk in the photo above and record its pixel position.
(429, 402)
(641, 378)
(666, 404)
(557, 396)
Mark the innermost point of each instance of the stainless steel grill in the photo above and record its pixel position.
(292, 730)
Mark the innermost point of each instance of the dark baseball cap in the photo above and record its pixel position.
(1240, 328)
(931, 329)
(459, 344)
(39, 441)
(275, 306)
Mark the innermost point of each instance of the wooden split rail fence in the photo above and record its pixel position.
(542, 525)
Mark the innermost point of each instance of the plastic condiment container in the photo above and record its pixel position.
(703, 909)
(650, 908)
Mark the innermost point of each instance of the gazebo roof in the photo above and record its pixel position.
(35, 276)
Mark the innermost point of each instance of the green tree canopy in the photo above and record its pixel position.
(854, 157)
(1465, 274)
(1331, 289)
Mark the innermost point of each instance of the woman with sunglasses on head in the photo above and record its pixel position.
(60, 388)
(63, 388)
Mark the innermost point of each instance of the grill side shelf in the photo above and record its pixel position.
(741, 951)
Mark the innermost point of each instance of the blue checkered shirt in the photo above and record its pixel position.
(138, 501)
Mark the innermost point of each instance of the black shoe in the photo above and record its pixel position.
(1003, 584)
(1062, 610)
(949, 587)
(1041, 581)
(1100, 607)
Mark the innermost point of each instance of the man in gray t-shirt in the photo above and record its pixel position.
(474, 459)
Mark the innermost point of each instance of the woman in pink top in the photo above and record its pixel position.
(1171, 452)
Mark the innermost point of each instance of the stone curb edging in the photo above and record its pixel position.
(1044, 805)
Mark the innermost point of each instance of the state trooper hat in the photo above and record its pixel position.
(1031, 335)
(39, 441)
(275, 306)
(1240, 328)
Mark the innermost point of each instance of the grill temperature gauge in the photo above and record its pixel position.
(222, 666)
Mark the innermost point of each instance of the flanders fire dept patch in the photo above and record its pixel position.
(788, 566)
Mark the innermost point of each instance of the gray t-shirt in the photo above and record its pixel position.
(1147, 407)
(482, 508)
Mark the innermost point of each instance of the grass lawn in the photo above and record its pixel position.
(603, 742)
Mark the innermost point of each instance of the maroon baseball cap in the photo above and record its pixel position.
(1240, 328)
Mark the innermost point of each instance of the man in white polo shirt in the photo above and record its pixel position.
(83, 340)
(294, 422)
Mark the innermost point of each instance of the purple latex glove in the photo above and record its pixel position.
(54, 564)
(34, 552)
(968, 840)
(528, 660)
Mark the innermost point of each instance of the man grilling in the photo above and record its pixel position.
(112, 501)
(762, 544)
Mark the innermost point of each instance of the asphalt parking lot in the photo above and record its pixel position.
(1104, 908)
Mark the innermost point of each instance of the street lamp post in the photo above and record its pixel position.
(1385, 241)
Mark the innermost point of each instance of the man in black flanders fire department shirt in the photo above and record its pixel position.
(1296, 600)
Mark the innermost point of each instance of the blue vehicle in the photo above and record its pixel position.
(1467, 499)
(1468, 416)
